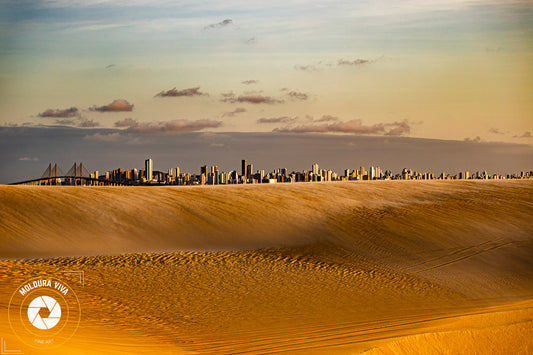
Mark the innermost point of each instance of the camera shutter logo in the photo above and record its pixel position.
(44, 312)
(34, 315)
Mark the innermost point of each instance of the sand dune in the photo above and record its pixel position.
(382, 267)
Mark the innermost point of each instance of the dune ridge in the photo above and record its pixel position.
(67, 221)
(382, 267)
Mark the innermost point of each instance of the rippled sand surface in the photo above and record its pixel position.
(385, 267)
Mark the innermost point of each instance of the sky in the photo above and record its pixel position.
(454, 70)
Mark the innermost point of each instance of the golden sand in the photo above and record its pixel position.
(386, 267)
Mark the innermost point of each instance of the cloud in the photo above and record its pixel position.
(360, 62)
(175, 126)
(228, 95)
(524, 135)
(477, 139)
(29, 159)
(178, 93)
(221, 24)
(127, 122)
(250, 99)
(69, 112)
(283, 119)
(327, 118)
(495, 131)
(352, 126)
(85, 123)
(234, 112)
(250, 82)
(355, 62)
(66, 122)
(258, 99)
(398, 128)
(340, 62)
(294, 95)
(116, 106)
(95, 27)
(78, 122)
(24, 124)
(308, 68)
(253, 92)
(103, 137)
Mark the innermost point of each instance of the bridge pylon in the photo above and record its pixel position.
(52, 172)
(78, 171)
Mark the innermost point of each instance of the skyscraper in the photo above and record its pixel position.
(315, 169)
(149, 167)
(243, 169)
(250, 171)
(372, 173)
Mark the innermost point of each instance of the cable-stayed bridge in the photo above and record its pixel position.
(77, 175)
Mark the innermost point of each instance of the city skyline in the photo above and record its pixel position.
(26, 152)
(211, 175)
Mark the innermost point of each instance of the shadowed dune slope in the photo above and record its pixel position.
(382, 218)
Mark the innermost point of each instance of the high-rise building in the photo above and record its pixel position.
(250, 171)
(203, 170)
(315, 169)
(372, 173)
(405, 174)
(214, 173)
(235, 177)
(149, 167)
(243, 170)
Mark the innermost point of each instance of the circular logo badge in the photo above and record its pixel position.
(35, 307)
(44, 312)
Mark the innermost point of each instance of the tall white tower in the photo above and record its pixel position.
(149, 167)
(315, 169)
(372, 173)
